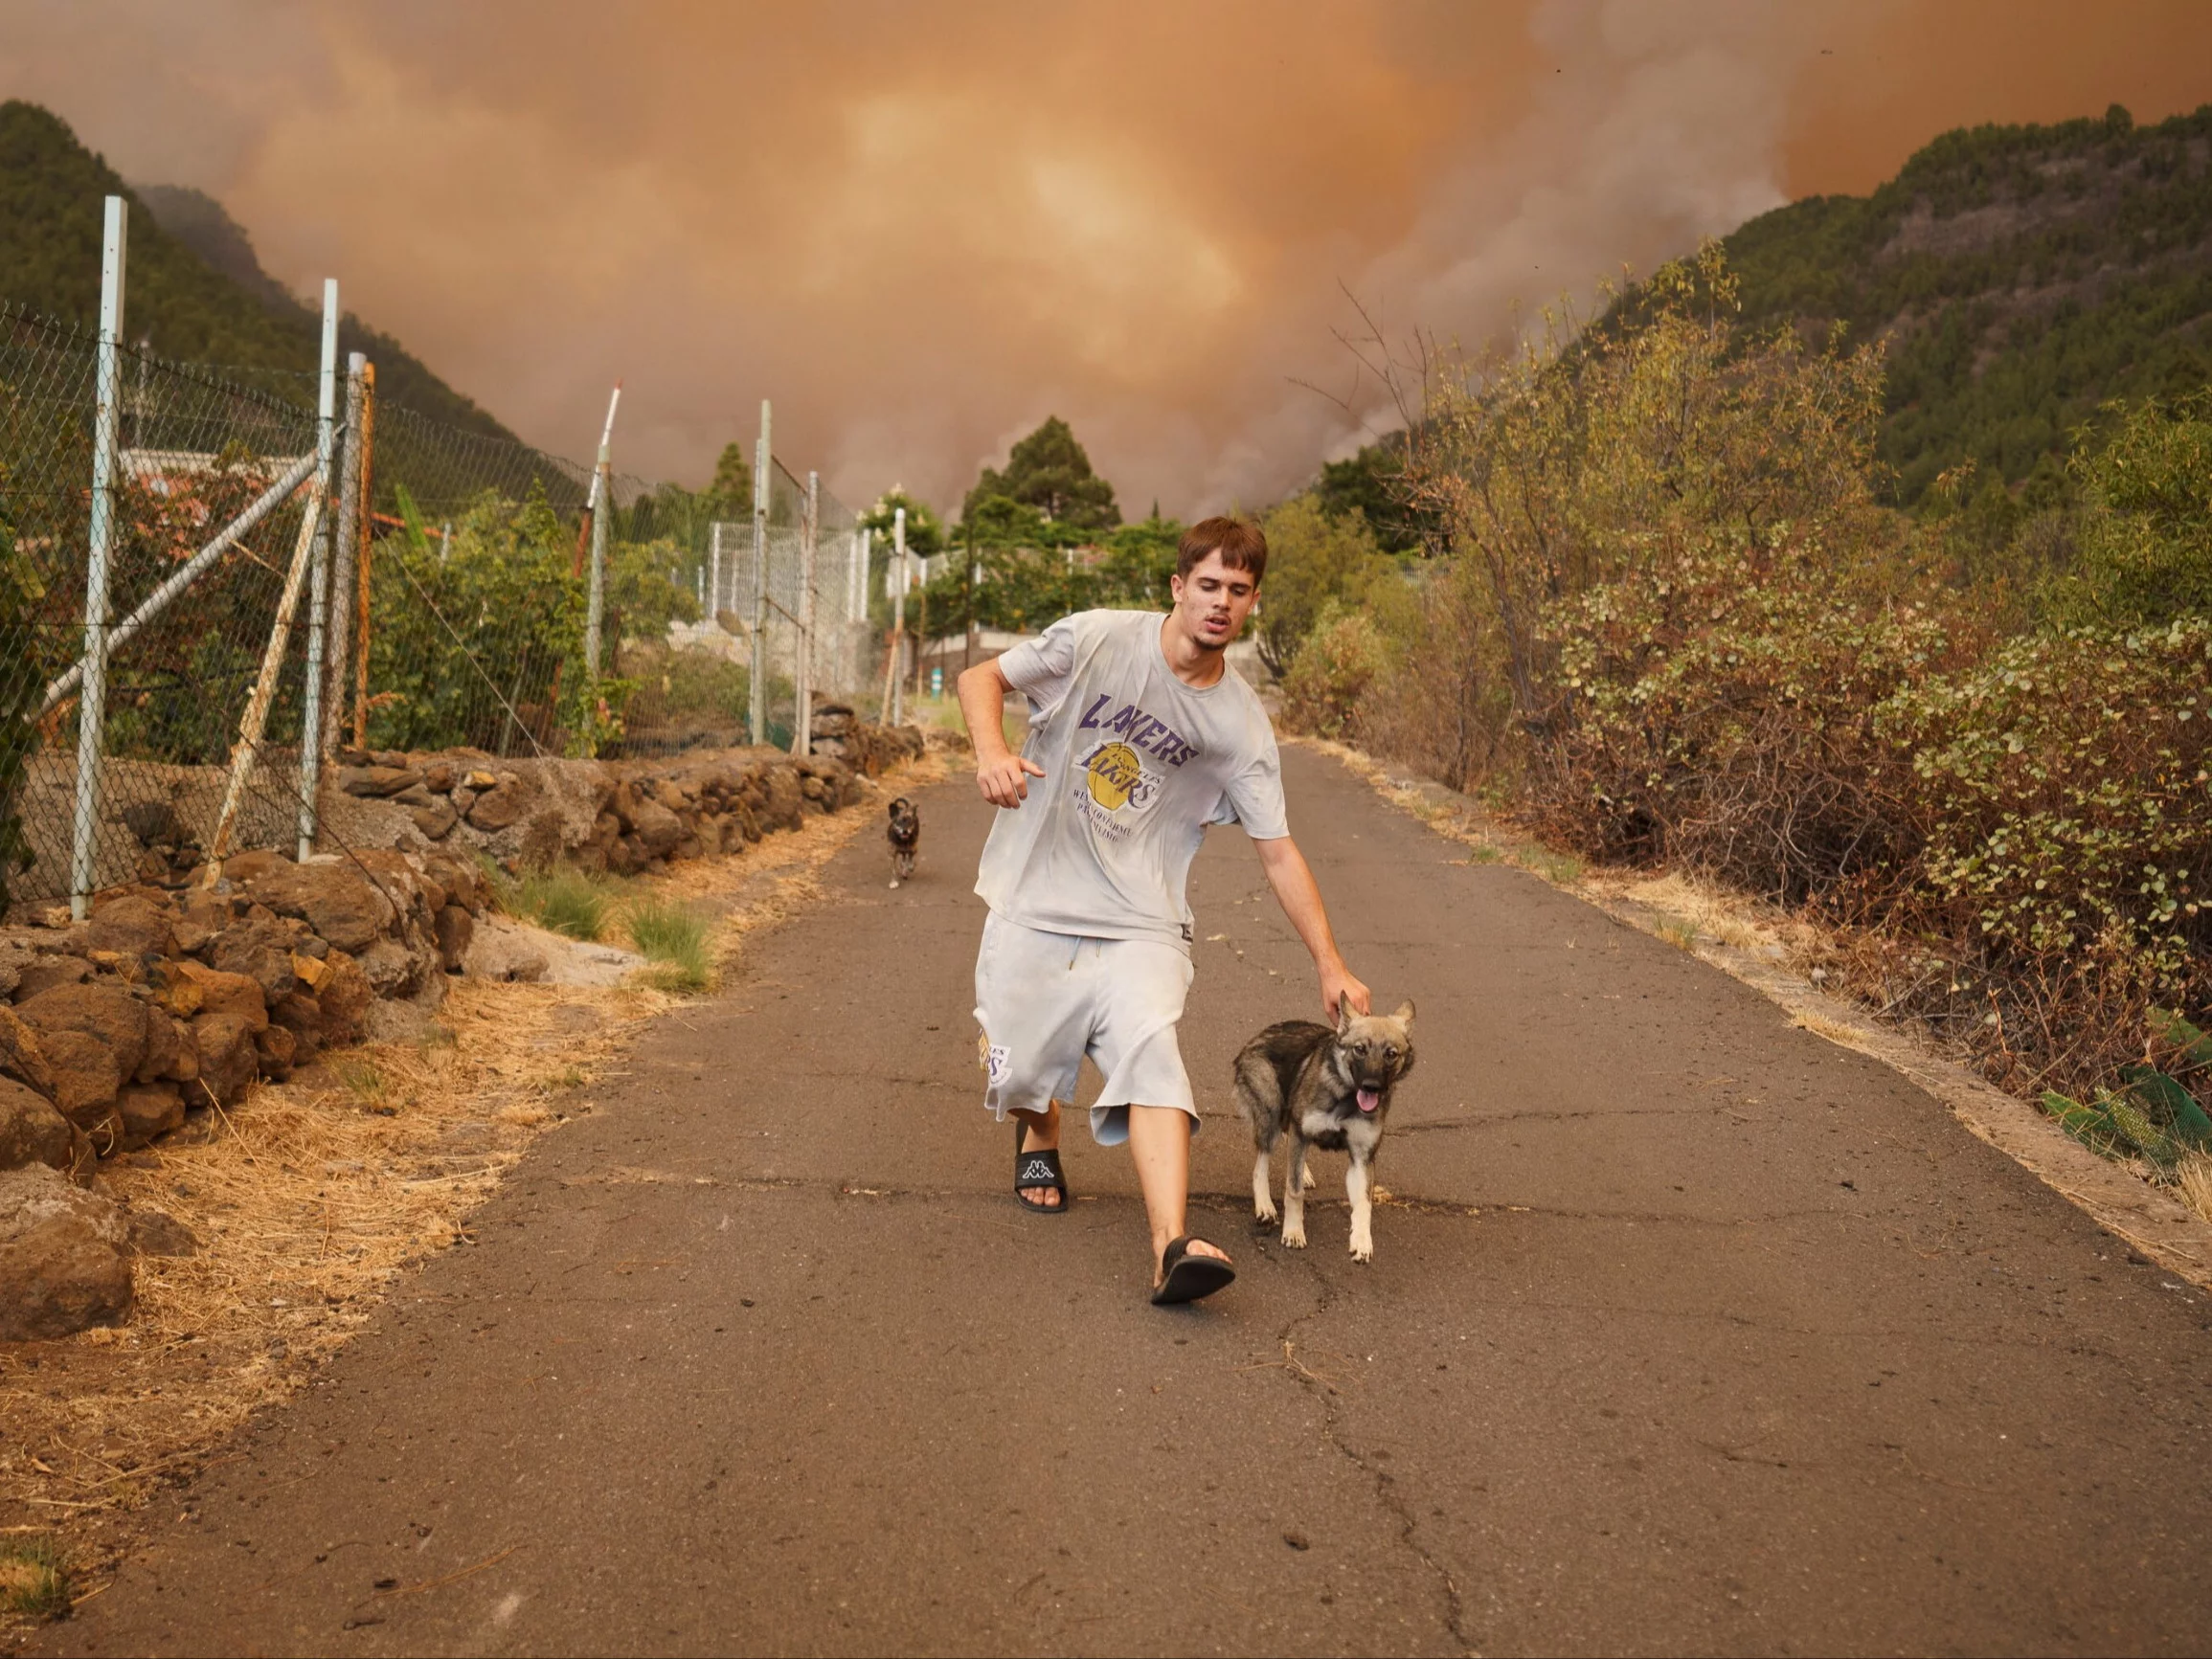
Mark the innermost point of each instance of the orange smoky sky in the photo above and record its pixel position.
(920, 228)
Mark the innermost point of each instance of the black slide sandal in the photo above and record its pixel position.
(1040, 1168)
(1186, 1277)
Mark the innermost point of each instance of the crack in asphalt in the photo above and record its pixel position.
(1329, 1395)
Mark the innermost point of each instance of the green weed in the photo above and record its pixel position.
(1675, 931)
(33, 1578)
(567, 902)
(361, 1079)
(675, 941)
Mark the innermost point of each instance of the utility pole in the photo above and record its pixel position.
(968, 655)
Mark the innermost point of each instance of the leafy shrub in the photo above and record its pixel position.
(1331, 674)
(1721, 711)
(476, 637)
(1675, 628)
(1314, 558)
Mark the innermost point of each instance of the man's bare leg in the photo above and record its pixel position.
(1160, 1146)
(1041, 1133)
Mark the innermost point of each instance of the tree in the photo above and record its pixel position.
(1314, 557)
(925, 531)
(2146, 536)
(730, 493)
(1374, 485)
(1050, 471)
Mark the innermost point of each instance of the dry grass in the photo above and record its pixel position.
(312, 1198)
(2193, 1176)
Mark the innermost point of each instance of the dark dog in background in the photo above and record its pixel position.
(905, 838)
(1329, 1089)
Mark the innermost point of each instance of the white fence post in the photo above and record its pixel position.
(92, 705)
(715, 569)
(803, 716)
(756, 691)
(896, 701)
(318, 592)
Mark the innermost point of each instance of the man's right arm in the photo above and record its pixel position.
(1002, 775)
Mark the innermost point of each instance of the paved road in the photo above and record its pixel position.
(1691, 1333)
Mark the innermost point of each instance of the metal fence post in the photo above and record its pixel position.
(318, 592)
(898, 698)
(596, 605)
(802, 718)
(364, 549)
(756, 691)
(349, 527)
(714, 569)
(92, 705)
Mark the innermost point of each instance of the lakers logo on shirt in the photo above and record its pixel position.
(1114, 774)
(1115, 788)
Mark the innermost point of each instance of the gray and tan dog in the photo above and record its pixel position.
(1329, 1089)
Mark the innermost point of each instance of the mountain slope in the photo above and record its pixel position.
(2019, 276)
(195, 289)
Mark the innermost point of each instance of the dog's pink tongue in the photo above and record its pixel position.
(1370, 1099)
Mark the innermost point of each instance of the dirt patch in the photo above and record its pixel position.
(301, 1205)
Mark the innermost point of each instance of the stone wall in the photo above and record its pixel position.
(178, 993)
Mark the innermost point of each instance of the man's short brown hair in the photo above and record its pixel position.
(1241, 547)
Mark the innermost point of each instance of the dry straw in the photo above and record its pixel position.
(313, 1197)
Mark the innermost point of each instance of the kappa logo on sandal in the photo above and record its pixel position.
(1037, 1172)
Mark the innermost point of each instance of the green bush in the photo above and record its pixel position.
(1331, 674)
(1677, 629)
(476, 637)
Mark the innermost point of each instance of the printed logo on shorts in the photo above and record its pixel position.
(994, 1059)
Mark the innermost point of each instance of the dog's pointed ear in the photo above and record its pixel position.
(1404, 1014)
(1345, 1018)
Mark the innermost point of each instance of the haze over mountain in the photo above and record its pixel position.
(921, 228)
(195, 289)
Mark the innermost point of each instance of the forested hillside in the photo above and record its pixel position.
(195, 289)
(2019, 277)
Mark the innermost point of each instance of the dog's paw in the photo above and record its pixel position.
(1363, 1250)
(1310, 1182)
(1264, 1218)
(1294, 1239)
(895, 886)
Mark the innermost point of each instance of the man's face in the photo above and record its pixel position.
(1212, 602)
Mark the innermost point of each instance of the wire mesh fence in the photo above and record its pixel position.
(283, 592)
(801, 582)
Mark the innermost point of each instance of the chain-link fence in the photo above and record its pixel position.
(803, 589)
(199, 575)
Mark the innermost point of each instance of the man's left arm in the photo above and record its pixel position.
(1301, 899)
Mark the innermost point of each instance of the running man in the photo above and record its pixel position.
(1141, 739)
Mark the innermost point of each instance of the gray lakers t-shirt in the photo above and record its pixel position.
(1137, 764)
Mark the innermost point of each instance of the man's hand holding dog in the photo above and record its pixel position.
(1340, 986)
(1002, 778)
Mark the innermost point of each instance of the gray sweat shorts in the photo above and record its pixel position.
(1044, 1000)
